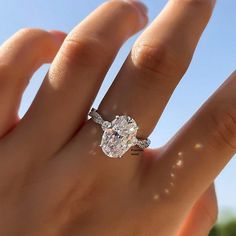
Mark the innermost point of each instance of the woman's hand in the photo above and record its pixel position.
(54, 178)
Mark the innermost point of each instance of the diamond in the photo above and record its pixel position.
(106, 125)
(119, 135)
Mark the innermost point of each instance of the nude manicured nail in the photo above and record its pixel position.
(142, 9)
(58, 35)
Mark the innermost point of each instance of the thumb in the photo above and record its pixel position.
(202, 216)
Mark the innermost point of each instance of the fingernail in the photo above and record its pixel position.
(58, 35)
(142, 9)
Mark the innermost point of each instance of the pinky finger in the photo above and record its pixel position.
(202, 216)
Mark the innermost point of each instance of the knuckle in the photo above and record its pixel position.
(84, 52)
(157, 60)
(224, 127)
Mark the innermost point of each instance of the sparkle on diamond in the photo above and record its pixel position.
(119, 137)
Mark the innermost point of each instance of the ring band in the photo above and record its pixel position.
(119, 135)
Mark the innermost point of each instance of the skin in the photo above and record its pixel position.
(54, 178)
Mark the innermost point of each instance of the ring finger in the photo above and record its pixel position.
(145, 83)
(75, 76)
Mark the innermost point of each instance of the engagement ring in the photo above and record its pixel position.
(119, 135)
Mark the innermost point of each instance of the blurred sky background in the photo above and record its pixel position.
(214, 60)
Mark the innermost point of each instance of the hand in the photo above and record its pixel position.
(54, 177)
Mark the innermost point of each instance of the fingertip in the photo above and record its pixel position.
(142, 9)
(58, 35)
(140, 6)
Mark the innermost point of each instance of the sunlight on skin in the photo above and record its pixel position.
(172, 175)
(93, 150)
(114, 109)
(94, 144)
(93, 153)
(198, 146)
(179, 164)
(156, 197)
(180, 154)
(167, 191)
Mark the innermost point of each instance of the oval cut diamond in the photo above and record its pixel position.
(119, 137)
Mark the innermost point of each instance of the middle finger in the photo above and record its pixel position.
(157, 62)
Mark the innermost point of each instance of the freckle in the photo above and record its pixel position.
(198, 146)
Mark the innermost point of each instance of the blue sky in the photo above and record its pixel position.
(214, 60)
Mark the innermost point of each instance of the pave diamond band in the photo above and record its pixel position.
(119, 135)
